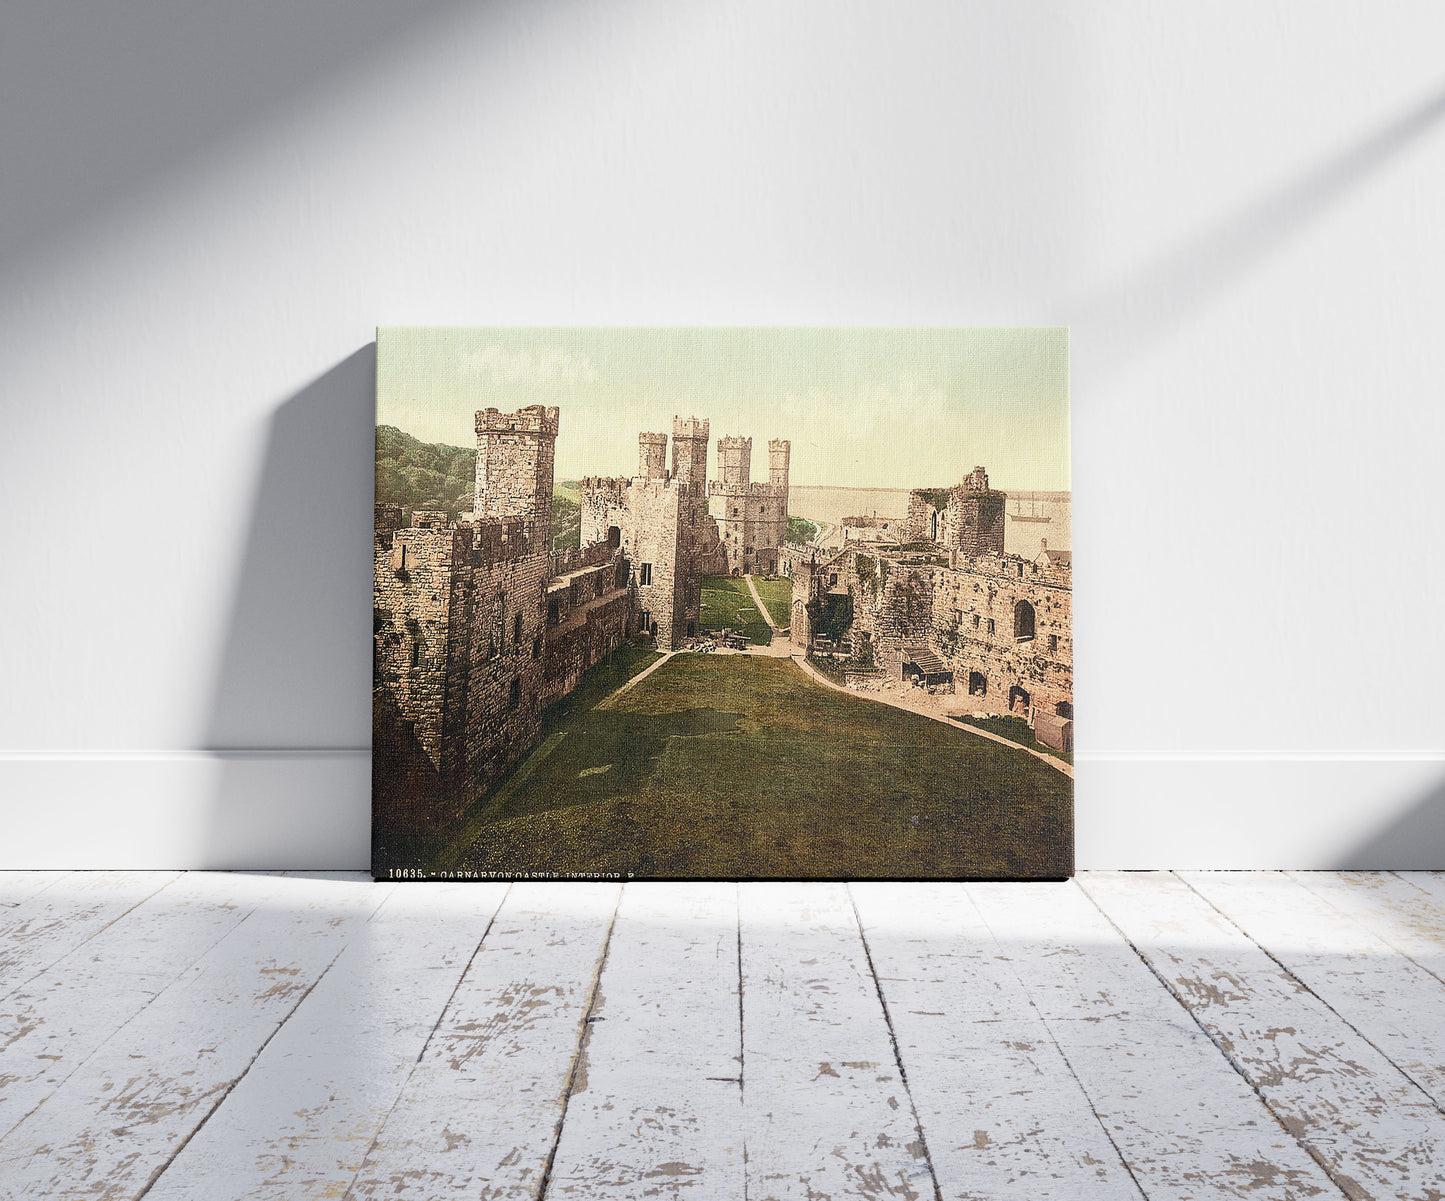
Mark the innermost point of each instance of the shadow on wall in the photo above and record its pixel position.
(290, 715)
(1413, 842)
(1151, 303)
(118, 96)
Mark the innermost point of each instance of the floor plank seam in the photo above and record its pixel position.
(1368, 927)
(231, 1087)
(893, 1042)
(1299, 983)
(584, 1036)
(441, 1016)
(1234, 1063)
(742, 1033)
(1404, 954)
(1067, 1062)
(93, 934)
(105, 1042)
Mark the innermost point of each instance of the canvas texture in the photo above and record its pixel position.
(722, 603)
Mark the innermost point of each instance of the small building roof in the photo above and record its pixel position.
(1062, 558)
(926, 661)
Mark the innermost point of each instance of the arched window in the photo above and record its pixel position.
(1023, 620)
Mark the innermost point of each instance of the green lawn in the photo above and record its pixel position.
(1015, 729)
(778, 597)
(728, 605)
(734, 766)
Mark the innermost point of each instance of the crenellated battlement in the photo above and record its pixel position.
(690, 427)
(750, 488)
(531, 419)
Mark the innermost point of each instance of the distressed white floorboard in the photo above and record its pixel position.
(827, 1113)
(1392, 1002)
(47, 925)
(218, 1036)
(123, 1114)
(479, 1115)
(1186, 1124)
(1378, 1134)
(50, 1025)
(1002, 1115)
(1404, 909)
(16, 887)
(300, 1123)
(656, 1107)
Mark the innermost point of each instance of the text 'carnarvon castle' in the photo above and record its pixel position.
(478, 627)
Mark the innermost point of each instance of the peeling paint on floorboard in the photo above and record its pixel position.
(1174, 1037)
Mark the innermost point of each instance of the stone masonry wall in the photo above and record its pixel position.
(975, 606)
(515, 468)
(752, 521)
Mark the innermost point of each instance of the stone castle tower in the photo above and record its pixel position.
(779, 452)
(735, 460)
(752, 516)
(515, 455)
(660, 520)
(652, 456)
(968, 517)
(689, 453)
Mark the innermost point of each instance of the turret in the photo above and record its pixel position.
(652, 456)
(735, 459)
(514, 469)
(689, 451)
(779, 450)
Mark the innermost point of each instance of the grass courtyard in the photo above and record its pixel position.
(728, 605)
(738, 766)
(778, 597)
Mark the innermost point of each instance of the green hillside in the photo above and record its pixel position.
(433, 475)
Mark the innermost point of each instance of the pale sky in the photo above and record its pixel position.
(865, 407)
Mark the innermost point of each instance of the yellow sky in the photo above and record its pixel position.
(866, 407)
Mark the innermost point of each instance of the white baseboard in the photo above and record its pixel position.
(278, 809)
(311, 809)
(1305, 810)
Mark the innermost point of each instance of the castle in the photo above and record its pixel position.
(752, 516)
(940, 601)
(478, 628)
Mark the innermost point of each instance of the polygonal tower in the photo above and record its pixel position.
(779, 450)
(735, 459)
(514, 469)
(652, 456)
(689, 452)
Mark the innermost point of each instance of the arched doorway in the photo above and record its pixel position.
(977, 684)
(1018, 699)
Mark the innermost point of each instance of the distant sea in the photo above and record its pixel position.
(831, 505)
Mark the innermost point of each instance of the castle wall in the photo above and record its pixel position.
(892, 603)
(968, 518)
(987, 590)
(515, 468)
(589, 615)
(433, 587)
(653, 538)
(968, 614)
(505, 637)
(752, 522)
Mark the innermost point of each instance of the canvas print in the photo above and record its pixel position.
(726, 603)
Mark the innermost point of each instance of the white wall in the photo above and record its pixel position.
(206, 207)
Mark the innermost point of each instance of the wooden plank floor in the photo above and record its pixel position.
(1161, 1035)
